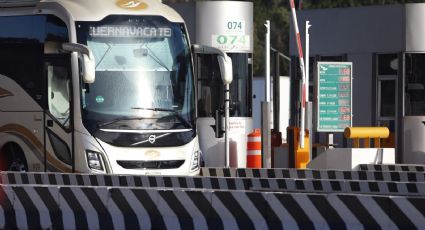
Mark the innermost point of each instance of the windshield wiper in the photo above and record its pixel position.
(174, 113)
(104, 55)
(156, 109)
(117, 120)
(156, 58)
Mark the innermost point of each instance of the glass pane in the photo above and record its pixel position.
(22, 46)
(210, 86)
(59, 87)
(60, 148)
(387, 64)
(239, 91)
(143, 74)
(414, 85)
(387, 98)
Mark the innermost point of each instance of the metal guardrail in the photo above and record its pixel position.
(366, 133)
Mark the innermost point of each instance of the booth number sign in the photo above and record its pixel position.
(233, 37)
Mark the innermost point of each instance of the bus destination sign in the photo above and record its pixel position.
(334, 94)
(129, 31)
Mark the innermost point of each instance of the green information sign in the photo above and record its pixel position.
(334, 105)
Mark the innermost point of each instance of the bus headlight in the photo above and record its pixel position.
(94, 160)
(196, 159)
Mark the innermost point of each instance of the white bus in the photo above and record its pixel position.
(97, 86)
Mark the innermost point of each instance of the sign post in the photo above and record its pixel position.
(334, 97)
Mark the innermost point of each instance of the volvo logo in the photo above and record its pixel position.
(132, 4)
(152, 139)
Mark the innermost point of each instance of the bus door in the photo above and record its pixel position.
(58, 119)
(210, 98)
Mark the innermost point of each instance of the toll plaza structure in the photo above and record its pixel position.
(367, 196)
(385, 45)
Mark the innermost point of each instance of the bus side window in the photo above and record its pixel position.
(59, 86)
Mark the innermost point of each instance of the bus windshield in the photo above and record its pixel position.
(144, 75)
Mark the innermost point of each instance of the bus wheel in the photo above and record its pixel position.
(13, 158)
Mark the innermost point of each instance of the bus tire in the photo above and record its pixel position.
(13, 158)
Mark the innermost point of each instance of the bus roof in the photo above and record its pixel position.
(96, 10)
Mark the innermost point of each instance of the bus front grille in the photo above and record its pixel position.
(172, 164)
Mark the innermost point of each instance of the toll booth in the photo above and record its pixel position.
(386, 45)
(227, 25)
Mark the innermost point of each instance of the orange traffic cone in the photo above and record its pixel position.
(253, 157)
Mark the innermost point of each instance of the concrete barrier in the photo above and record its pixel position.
(65, 207)
(221, 183)
(322, 174)
(392, 167)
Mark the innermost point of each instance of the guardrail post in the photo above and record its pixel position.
(366, 143)
(356, 143)
(377, 142)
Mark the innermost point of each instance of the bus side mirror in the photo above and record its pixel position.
(225, 63)
(89, 67)
(88, 62)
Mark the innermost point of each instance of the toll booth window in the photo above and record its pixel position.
(387, 69)
(240, 89)
(414, 85)
(387, 64)
(387, 98)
